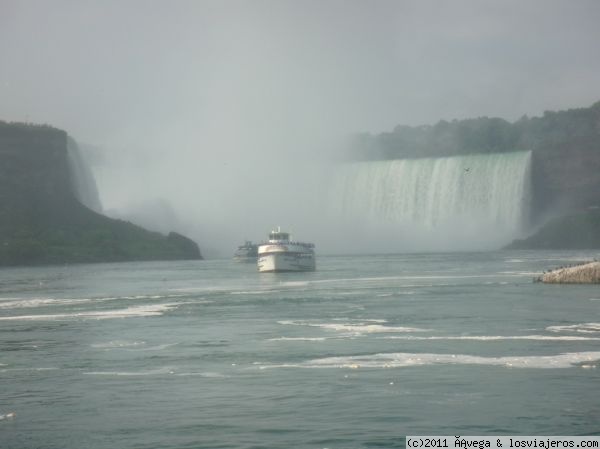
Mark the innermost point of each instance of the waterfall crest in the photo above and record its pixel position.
(438, 196)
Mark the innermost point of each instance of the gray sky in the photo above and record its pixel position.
(200, 102)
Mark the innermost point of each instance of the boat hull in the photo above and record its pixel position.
(282, 262)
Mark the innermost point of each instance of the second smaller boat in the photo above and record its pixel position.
(248, 252)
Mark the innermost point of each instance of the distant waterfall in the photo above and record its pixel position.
(82, 179)
(482, 192)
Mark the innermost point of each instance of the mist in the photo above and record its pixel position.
(222, 120)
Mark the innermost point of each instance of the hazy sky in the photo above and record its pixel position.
(205, 105)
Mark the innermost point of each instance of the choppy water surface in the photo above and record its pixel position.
(358, 354)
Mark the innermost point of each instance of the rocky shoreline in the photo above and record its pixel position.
(583, 273)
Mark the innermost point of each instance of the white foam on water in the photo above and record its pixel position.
(155, 372)
(360, 328)
(382, 279)
(301, 338)
(295, 283)
(17, 303)
(202, 374)
(41, 302)
(118, 344)
(132, 346)
(172, 295)
(29, 369)
(254, 292)
(165, 371)
(129, 312)
(402, 360)
(520, 273)
(594, 299)
(157, 347)
(493, 337)
(357, 328)
(206, 289)
(586, 328)
(372, 320)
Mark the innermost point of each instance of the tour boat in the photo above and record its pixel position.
(248, 252)
(282, 254)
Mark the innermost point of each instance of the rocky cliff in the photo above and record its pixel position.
(42, 220)
(574, 231)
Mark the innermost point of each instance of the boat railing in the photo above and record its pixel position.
(288, 242)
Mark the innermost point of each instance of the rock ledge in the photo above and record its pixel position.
(585, 273)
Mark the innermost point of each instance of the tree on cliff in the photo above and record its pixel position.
(480, 135)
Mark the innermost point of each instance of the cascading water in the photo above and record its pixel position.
(476, 200)
(82, 179)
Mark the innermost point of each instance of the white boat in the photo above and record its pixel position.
(248, 252)
(282, 254)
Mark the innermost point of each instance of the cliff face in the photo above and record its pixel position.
(566, 160)
(575, 231)
(42, 221)
(33, 170)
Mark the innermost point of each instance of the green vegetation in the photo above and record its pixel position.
(81, 235)
(41, 222)
(480, 135)
(577, 231)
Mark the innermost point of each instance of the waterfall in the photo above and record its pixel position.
(83, 183)
(476, 198)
